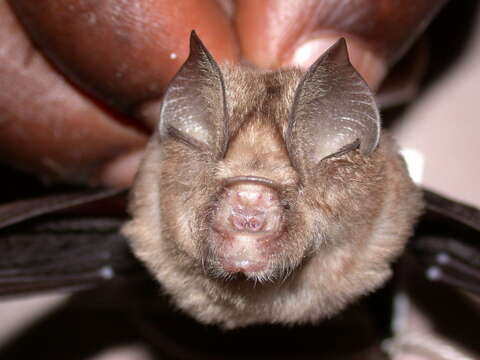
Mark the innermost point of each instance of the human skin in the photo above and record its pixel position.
(84, 79)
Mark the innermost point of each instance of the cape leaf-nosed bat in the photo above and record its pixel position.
(270, 196)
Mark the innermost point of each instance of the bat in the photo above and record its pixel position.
(45, 249)
(270, 196)
(341, 205)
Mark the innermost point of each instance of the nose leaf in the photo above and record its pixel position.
(247, 222)
(250, 206)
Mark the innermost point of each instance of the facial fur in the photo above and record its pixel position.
(295, 244)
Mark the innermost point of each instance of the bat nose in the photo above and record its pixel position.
(248, 224)
(247, 220)
(252, 207)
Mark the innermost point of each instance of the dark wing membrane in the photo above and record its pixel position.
(447, 243)
(41, 251)
(465, 214)
(17, 211)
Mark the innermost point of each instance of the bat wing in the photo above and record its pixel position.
(447, 243)
(43, 248)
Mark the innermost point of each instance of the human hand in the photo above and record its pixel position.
(84, 115)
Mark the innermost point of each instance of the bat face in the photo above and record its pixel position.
(269, 196)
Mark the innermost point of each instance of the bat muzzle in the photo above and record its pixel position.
(248, 222)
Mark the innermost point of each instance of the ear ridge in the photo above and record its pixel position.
(332, 108)
(194, 107)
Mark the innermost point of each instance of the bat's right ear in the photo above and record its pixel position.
(333, 111)
(194, 108)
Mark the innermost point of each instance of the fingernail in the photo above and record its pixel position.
(371, 66)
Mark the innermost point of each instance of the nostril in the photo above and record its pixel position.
(238, 222)
(253, 224)
(246, 222)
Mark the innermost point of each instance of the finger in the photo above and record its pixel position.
(274, 33)
(47, 127)
(125, 51)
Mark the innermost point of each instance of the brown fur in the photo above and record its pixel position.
(348, 218)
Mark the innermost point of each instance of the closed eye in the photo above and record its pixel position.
(345, 149)
(187, 140)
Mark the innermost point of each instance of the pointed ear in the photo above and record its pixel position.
(193, 108)
(333, 111)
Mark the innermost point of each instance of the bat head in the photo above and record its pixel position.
(277, 178)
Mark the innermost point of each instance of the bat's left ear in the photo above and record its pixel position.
(333, 111)
(194, 108)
